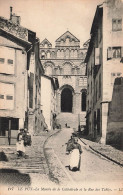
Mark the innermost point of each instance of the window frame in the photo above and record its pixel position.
(116, 26)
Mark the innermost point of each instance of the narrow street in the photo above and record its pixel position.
(94, 167)
(46, 165)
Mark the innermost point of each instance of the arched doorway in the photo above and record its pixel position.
(66, 100)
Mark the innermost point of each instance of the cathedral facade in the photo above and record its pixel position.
(66, 63)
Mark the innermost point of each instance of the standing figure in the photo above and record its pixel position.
(20, 143)
(75, 158)
(69, 145)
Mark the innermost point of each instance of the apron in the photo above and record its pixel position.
(74, 159)
(20, 144)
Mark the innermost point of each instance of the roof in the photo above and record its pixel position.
(67, 34)
(45, 41)
(96, 18)
(16, 39)
(15, 32)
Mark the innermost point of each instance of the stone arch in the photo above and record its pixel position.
(70, 62)
(67, 53)
(72, 53)
(67, 92)
(43, 54)
(67, 67)
(67, 39)
(53, 54)
(49, 67)
(75, 53)
(62, 53)
(48, 54)
(58, 53)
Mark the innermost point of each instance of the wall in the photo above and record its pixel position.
(19, 79)
(46, 92)
(115, 115)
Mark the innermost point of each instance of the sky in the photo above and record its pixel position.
(51, 18)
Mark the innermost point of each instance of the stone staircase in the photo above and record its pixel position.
(69, 118)
(33, 163)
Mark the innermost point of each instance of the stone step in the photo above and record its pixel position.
(69, 118)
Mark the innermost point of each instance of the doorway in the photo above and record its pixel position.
(66, 100)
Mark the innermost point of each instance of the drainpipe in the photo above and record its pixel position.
(11, 13)
(9, 132)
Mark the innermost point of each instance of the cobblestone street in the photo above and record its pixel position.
(46, 164)
(94, 167)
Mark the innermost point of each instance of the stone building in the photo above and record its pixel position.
(35, 118)
(48, 99)
(17, 45)
(66, 63)
(104, 65)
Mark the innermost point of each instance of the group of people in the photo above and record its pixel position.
(74, 149)
(23, 139)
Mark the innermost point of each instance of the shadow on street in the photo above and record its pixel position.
(14, 177)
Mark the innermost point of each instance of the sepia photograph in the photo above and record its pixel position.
(61, 97)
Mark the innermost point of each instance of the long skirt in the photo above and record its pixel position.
(75, 159)
(20, 146)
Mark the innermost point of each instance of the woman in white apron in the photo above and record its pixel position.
(20, 144)
(75, 155)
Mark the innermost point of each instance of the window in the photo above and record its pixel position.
(1, 96)
(48, 70)
(67, 41)
(7, 91)
(67, 53)
(113, 52)
(45, 46)
(9, 97)
(10, 61)
(75, 53)
(116, 24)
(116, 52)
(7, 60)
(58, 53)
(48, 54)
(2, 60)
(42, 55)
(82, 81)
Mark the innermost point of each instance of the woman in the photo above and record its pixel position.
(75, 158)
(20, 143)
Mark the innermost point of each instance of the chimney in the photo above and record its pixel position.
(11, 12)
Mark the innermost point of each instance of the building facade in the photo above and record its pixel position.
(66, 63)
(48, 100)
(104, 66)
(17, 44)
(35, 117)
